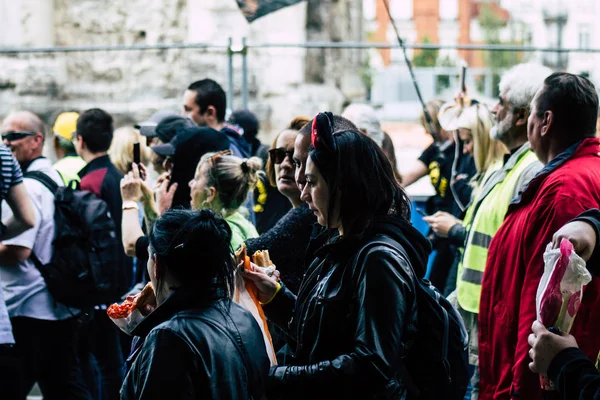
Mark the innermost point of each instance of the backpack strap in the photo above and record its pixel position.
(52, 187)
(44, 179)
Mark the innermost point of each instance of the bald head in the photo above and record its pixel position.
(26, 121)
(28, 141)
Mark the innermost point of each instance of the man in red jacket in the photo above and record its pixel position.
(561, 129)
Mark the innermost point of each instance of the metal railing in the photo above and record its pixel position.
(241, 48)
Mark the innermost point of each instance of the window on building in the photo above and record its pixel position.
(401, 9)
(449, 9)
(584, 36)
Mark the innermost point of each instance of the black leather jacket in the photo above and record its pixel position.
(351, 318)
(197, 348)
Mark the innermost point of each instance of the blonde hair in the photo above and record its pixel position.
(478, 119)
(433, 108)
(232, 177)
(121, 148)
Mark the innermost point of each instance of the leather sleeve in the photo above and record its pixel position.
(164, 357)
(457, 235)
(383, 295)
(592, 217)
(281, 310)
(575, 375)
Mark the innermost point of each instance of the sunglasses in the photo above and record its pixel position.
(278, 155)
(14, 136)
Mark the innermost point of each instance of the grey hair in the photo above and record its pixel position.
(364, 117)
(520, 83)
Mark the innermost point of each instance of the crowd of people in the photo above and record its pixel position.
(182, 192)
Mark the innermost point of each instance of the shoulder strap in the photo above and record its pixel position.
(43, 179)
(52, 187)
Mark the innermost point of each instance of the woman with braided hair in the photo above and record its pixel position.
(357, 301)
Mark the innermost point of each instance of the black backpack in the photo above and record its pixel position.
(85, 269)
(435, 365)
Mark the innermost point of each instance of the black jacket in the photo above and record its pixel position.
(575, 375)
(103, 179)
(347, 325)
(197, 347)
(593, 218)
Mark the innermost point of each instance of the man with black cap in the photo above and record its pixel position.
(148, 128)
(159, 129)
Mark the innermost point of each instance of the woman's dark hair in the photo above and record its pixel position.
(194, 246)
(360, 175)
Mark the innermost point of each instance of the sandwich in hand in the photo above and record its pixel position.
(144, 302)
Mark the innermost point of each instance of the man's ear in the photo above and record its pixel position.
(81, 142)
(547, 122)
(211, 111)
(521, 116)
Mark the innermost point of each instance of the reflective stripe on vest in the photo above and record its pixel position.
(485, 223)
(481, 240)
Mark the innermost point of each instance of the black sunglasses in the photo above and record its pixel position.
(278, 155)
(14, 136)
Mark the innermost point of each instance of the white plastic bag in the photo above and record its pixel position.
(244, 298)
(575, 277)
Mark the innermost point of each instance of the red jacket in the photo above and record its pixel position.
(567, 186)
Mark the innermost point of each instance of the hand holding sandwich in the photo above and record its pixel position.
(267, 286)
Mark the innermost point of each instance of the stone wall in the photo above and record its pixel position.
(133, 84)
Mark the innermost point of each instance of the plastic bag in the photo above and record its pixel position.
(130, 322)
(127, 315)
(559, 293)
(245, 295)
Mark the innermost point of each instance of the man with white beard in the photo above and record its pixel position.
(517, 88)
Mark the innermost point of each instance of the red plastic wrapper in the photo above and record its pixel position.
(133, 310)
(560, 290)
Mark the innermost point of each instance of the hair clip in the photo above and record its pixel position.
(322, 132)
(179, 246)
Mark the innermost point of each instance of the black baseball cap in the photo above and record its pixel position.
(246, 120)
(166, 149)
(167, 129)
(148, 127)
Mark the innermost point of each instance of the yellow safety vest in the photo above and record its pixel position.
(69, 167)
(483, 220)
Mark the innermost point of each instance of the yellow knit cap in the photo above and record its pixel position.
(66, 124)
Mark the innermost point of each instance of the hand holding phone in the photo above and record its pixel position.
(136, 153)
(463, 77)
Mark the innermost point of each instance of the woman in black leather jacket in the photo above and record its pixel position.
(196, 344)
(356, 307)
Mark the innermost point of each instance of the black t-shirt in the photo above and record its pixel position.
(439, 159)
(269, 205)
